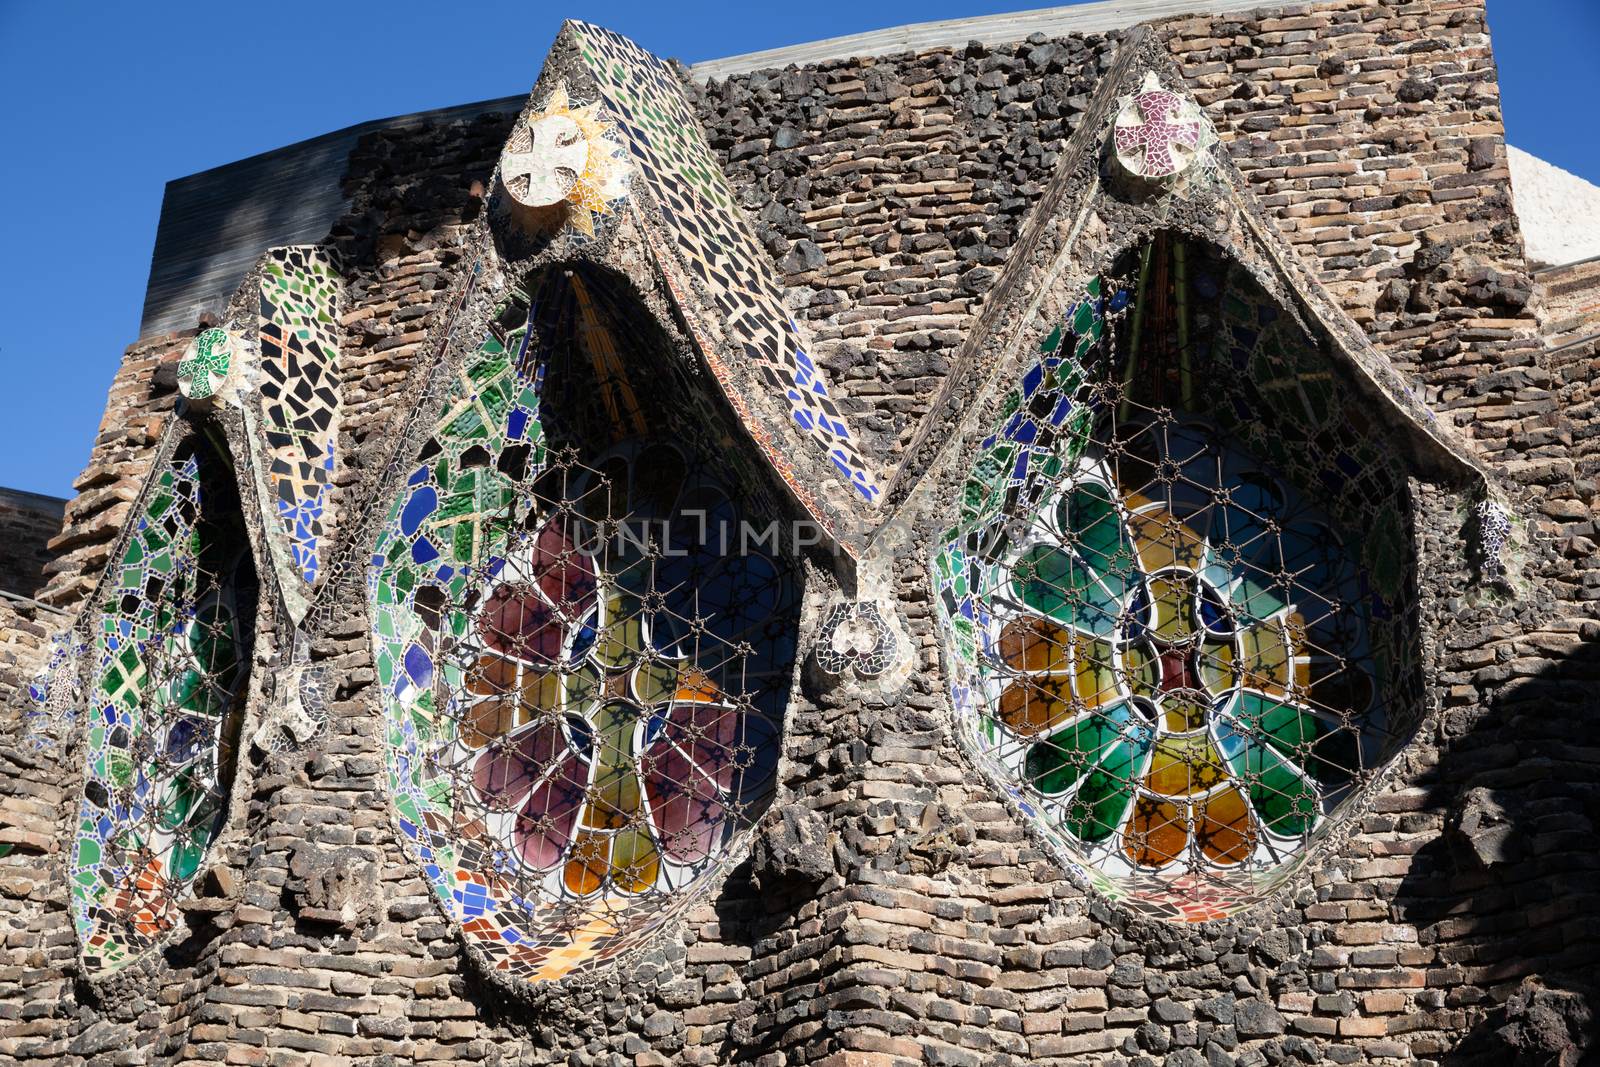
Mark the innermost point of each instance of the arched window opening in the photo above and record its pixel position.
(585, 630)
(1178, 599)
(170, 656)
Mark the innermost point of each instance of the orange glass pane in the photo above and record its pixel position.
(1161, 539)
(1158, 832)
(1029, 706)
(587, 863)
(491, 676)
(1034, 645)
(485, 721)
(1225, 832)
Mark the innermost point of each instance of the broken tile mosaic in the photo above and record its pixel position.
(299, 399)
(169, 651)
(1159, 133)
(705, 231)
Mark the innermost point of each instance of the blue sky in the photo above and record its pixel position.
(105, 103)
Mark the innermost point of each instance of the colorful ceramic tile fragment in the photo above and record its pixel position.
(704, 236)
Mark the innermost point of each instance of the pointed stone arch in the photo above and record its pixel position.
(1092, 211)
(270, 371)
(602, 89)
(168, 660)
(1168, 489)
(585, 621)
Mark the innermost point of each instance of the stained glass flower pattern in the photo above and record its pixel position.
(1177, 664)
(585, 663)
(1163, 658)
(1167, 695)
(601, 744)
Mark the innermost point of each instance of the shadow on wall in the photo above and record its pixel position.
(1507, 896)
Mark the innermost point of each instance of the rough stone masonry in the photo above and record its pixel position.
(891, 906)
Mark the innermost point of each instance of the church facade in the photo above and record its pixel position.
(1072, 544)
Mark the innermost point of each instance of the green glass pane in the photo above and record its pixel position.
(1285, 801)
(184, 860)
(1286, 727)
(1053, 764)
(179, 800)
(1090, 517)
(1098, 809)
(188, 692)
(1056, 584)
(212, 640)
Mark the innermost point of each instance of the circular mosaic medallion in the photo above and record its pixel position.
(1159, 133)
(205, 365)
(566, 155)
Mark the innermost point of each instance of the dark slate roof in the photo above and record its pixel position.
(22, 500)
(215, 224)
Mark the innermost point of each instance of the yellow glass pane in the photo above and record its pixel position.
(1095, 677)
(1184, 765)
(1299, 658)
(1183, 710)
(1172, 595)
(585, 687)
(1141, 672)
(1216, 666)
(541, 697)
(622, 637)
(587, 863)
(1266, 658)
(614, 794)
(635, 863)
(654, 682)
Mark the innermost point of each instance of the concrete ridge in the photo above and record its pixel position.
(990, 29)
(40, 502)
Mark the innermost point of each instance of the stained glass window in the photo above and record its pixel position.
(1176, 601)
(170, 655)
(584, 636)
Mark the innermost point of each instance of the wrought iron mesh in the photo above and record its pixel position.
(170, 656)
(585, 638)
(1179, 657)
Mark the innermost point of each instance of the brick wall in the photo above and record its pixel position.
(936, 932)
